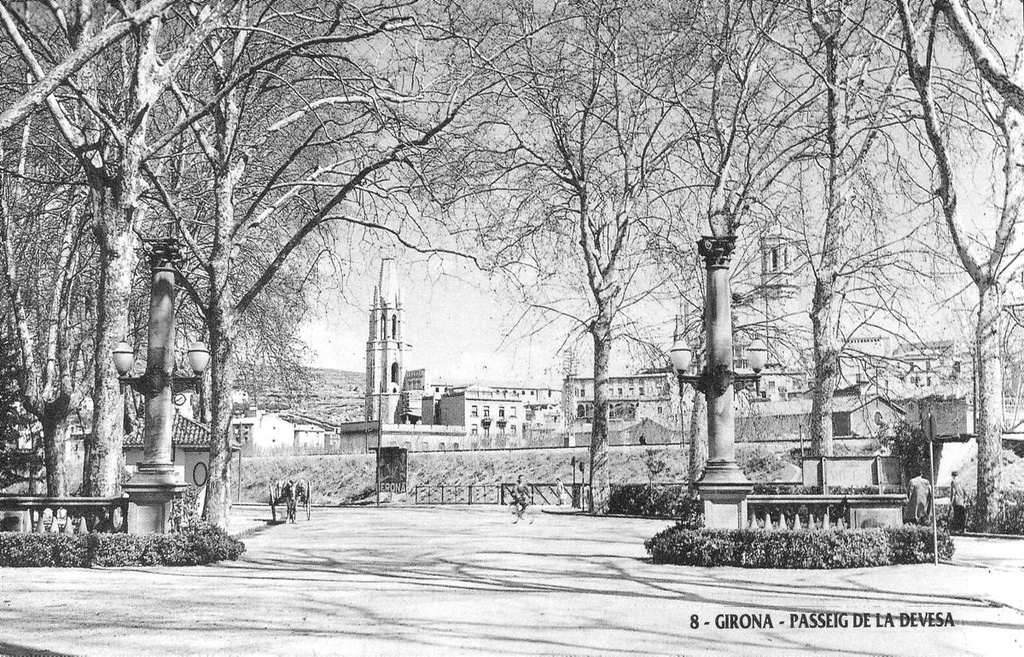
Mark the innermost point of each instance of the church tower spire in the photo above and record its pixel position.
(385, 348)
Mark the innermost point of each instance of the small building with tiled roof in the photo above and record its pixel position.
(853, 416)
(190, 442)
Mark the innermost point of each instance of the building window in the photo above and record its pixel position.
(440, 446)
(620, 392)
(455, 446)
(501, 412)
(394, 326)
(474, 430)
(473, 412)
(384, 326)
(641, 390)
(513, 429)
(512, 412)
(580, 410)
(661, 409)
(394, 372)
(487, 411)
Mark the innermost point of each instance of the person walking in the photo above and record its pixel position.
(919, 495)
(958, 498)
(563, 495)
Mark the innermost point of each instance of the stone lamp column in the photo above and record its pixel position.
(151, 490)
(723, 487)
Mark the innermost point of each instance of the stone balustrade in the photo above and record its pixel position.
(68, 515)
(803, 512)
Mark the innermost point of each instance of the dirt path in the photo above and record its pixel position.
(415, 581)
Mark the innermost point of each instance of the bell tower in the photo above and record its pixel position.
(385, 348)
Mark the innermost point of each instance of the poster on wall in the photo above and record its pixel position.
(392, 469)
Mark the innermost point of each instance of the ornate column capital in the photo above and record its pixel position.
(163, 252)
(716, 251)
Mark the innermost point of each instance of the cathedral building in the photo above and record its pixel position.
(385, 349)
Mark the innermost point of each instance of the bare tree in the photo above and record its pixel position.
(304, 137)
(44, 277)
(67, 15)
(988, 247)
(578, 154)
(111, 142)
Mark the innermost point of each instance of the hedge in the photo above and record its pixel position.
(673, 501)
(824, 549)
(195, 545)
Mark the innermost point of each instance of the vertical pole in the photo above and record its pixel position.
(718, 390)
(723, 487)
(157, 456)
(380, 429)
(572, 465)
(238, 497)
(931, 460)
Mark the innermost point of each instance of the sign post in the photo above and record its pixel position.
(931, 460)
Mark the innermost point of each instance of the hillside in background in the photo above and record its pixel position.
(331, 395)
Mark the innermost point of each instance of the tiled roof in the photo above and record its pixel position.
(184, 433)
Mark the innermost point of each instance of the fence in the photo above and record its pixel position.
(68, 515)
(494, 494)
(470, 494)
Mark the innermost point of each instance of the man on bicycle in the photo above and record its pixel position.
(520, 499)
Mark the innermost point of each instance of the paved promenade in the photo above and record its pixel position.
(465, 580)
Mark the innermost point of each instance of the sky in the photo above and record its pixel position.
(455, 319)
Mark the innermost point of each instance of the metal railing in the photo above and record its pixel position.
(495, 494)
(466, 494)
(68, 515)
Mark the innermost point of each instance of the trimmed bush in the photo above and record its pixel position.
(657, 501)
(195, 545)
(185, 510)
(1011, 520)
(827, 549)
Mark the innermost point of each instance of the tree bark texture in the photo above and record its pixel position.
(825, 307)
(222, 372)
(825, 325)
(117, 251)
(698, 449)
(990, 408)
(600, 480)
(55, 438)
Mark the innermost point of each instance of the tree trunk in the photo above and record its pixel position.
(825, 323)
(698, 456)
(218, 488)
(55, 437)
(117, 253)
(600, 480)
(990, 408)
(221, 322)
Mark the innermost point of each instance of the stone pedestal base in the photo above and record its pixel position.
(149, 502)
(724, 490)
